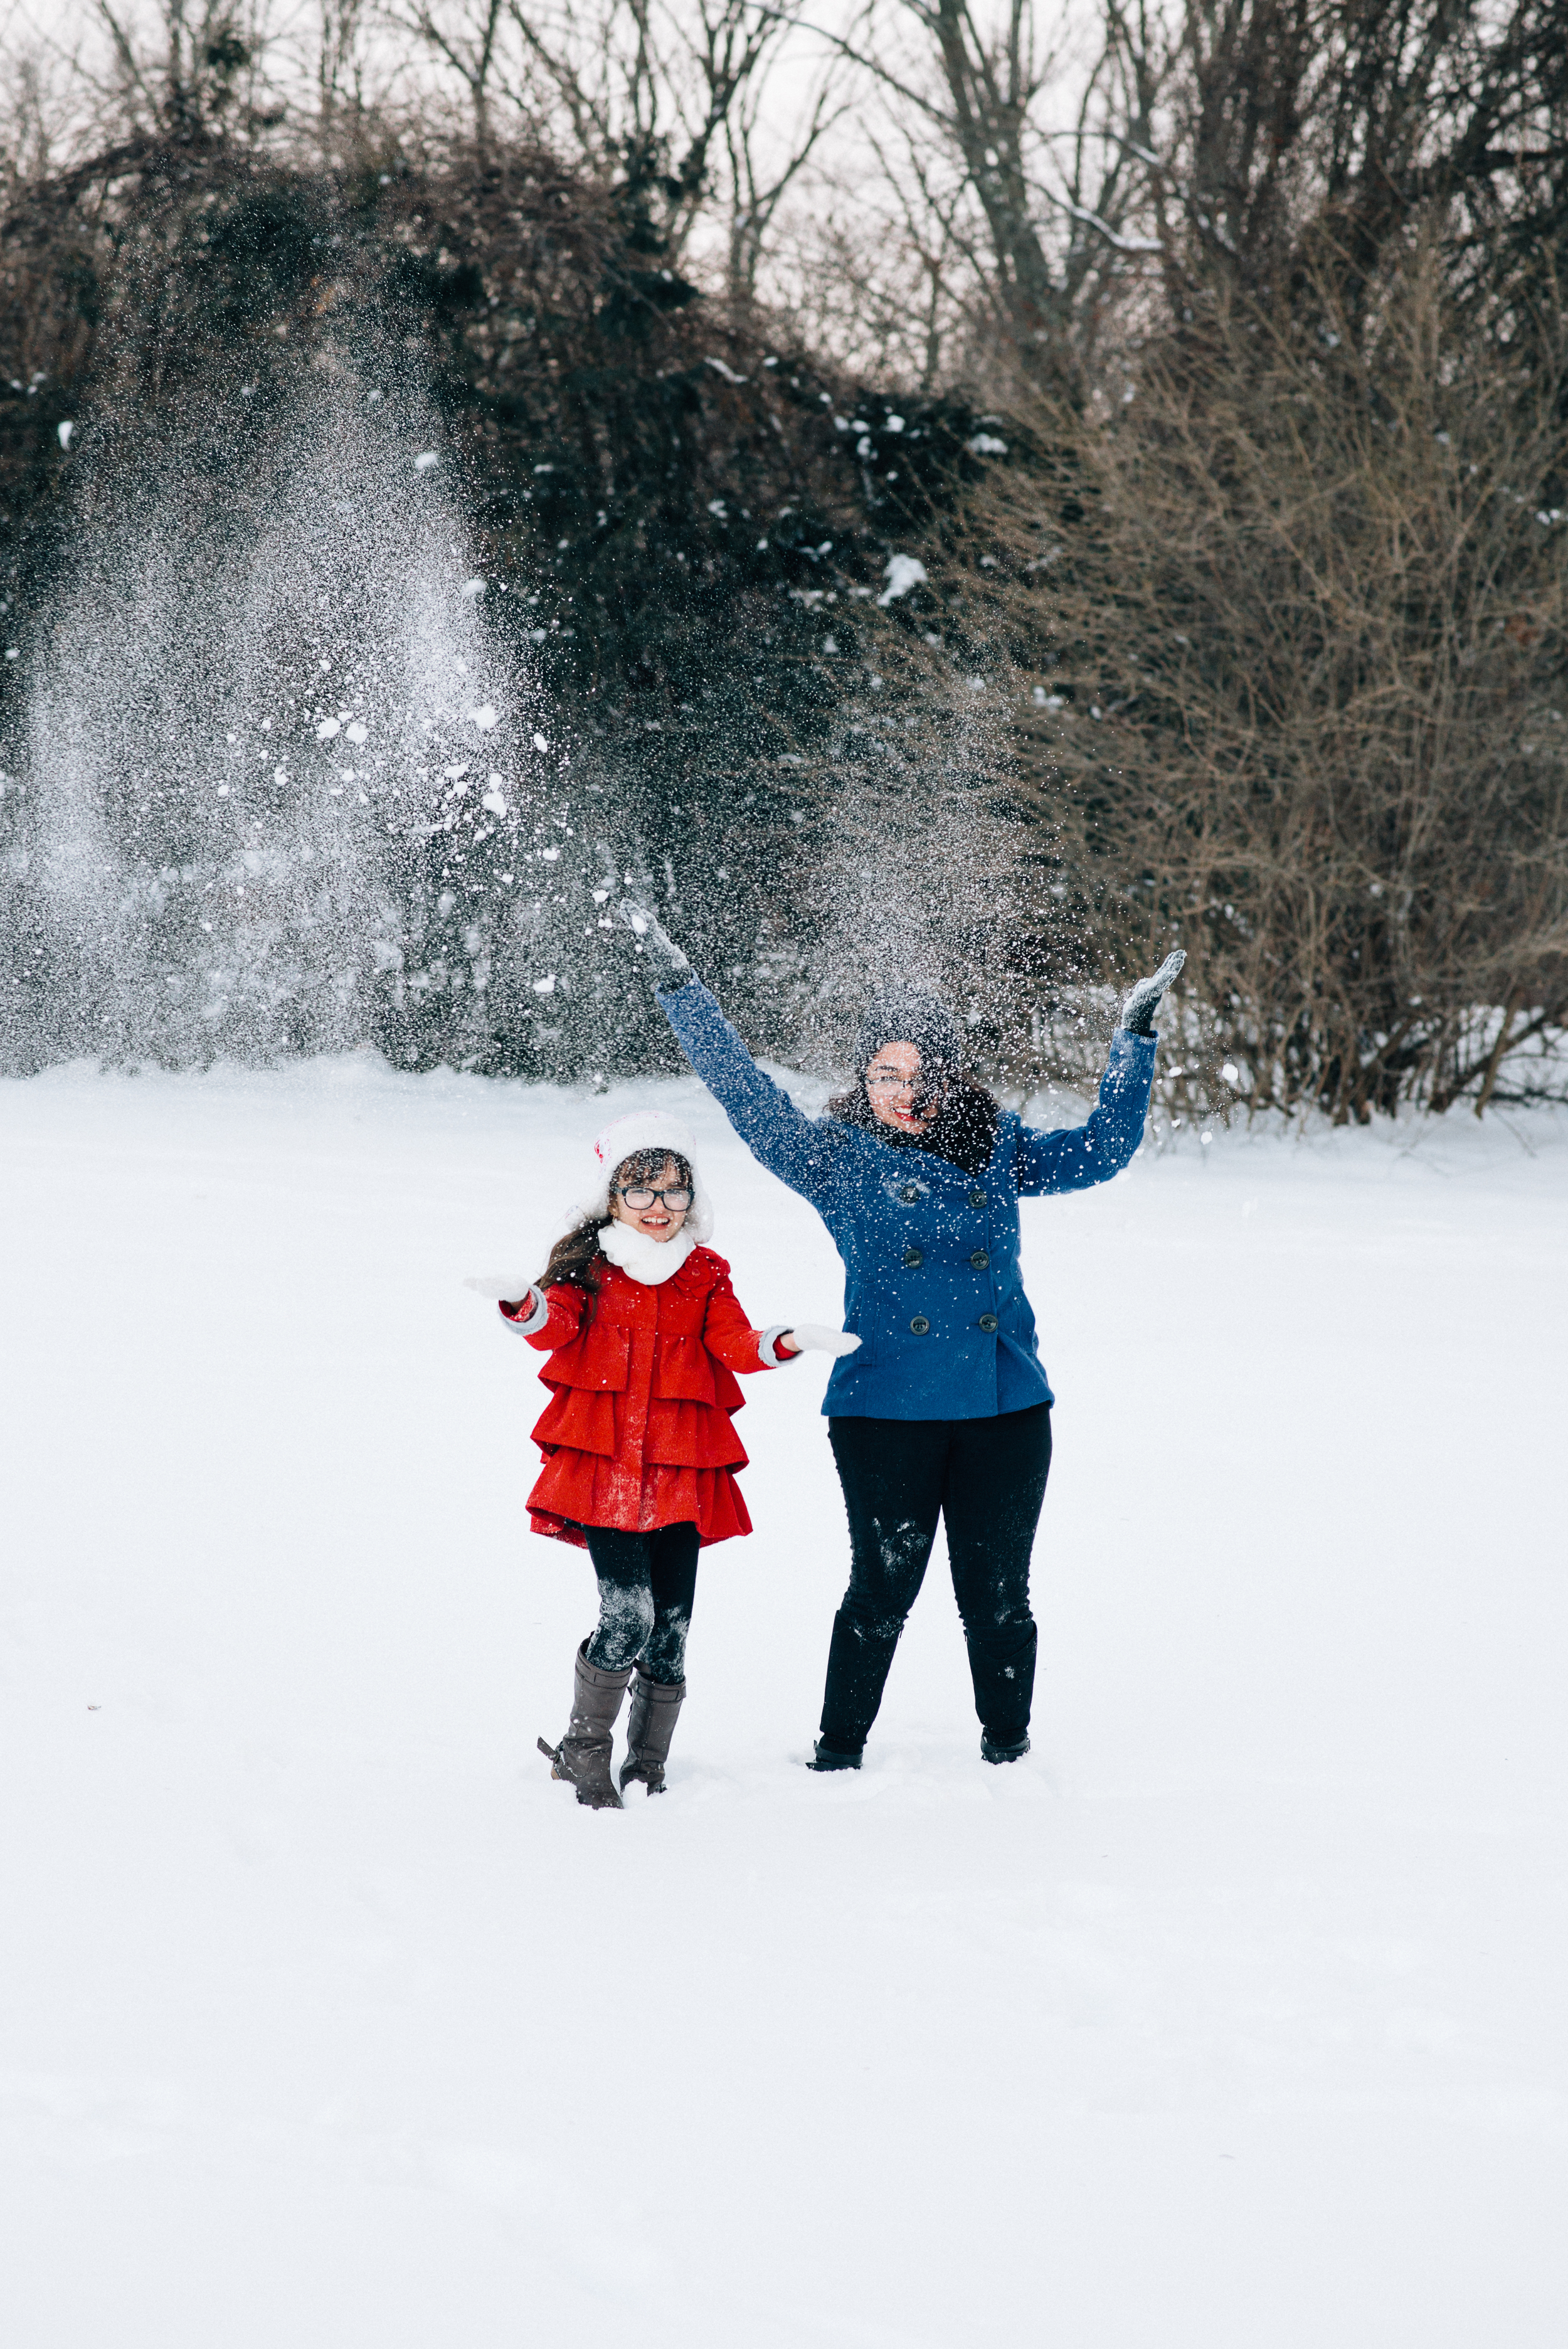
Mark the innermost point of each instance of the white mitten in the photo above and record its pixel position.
(816, 1338)
(507, 1288)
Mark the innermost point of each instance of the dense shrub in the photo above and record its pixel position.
(1300, 618)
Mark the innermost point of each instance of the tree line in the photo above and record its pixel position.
(1116, 497)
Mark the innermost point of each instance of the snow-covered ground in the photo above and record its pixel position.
(1232, 2019)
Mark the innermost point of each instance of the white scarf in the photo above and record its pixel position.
(643, 1257)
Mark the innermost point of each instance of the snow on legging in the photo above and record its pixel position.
(648, 1583)
(987, 1479)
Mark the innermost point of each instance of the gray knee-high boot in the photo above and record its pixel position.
(651, 1724)
(583, 1756)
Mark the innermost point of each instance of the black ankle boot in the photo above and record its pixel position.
(1002, 1665)
(823, 1757)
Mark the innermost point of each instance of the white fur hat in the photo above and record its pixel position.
(647, 1129)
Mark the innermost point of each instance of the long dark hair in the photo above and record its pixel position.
(573, 1260)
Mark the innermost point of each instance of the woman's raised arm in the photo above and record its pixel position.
(791, 1145)
(1077, 1157)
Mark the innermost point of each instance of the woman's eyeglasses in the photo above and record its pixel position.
(639, 1196)
(888, 1083)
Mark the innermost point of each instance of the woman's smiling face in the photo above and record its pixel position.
(657, 1219)
(894, 1086)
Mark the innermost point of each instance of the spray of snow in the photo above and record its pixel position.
(244, 777)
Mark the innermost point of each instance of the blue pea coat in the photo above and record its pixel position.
(931, 1284)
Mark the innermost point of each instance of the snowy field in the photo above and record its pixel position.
(1232, 2019)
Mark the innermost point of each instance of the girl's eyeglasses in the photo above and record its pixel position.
(639, 1196)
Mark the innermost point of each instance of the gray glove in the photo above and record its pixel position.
(1138, 1011)
(670, 967)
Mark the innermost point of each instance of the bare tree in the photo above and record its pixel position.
(464, 33)
(1299, 623)
(1343, 121)
(757, 189)
(1002, 176)
(339, 70)
(664, 98)
(36, 113)
(192, 69)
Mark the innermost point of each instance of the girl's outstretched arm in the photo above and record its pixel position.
(731, 1339)
(547, 1318)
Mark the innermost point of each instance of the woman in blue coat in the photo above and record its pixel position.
(944, 1410)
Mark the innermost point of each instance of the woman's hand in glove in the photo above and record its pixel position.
(671, 968)
(668, 965)
(1138, 1011)
(816, 1338)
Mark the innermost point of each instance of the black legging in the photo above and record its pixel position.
(987, 1479)
(648, 1584)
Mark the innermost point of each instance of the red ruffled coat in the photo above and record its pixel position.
(637, 1433)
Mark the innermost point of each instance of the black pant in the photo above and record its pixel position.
(987, 1479)
(647, 1585)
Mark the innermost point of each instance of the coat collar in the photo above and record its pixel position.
(648, 1261)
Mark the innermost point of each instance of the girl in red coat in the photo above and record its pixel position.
(645, 1336)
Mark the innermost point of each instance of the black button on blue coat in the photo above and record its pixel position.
(979, 1260)
(988, 1322)
(912, 1256)
(920, 1325)
(977, 1198)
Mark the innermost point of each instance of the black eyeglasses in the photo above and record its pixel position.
(639, 1196)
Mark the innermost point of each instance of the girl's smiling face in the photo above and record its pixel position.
(658, 1219)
